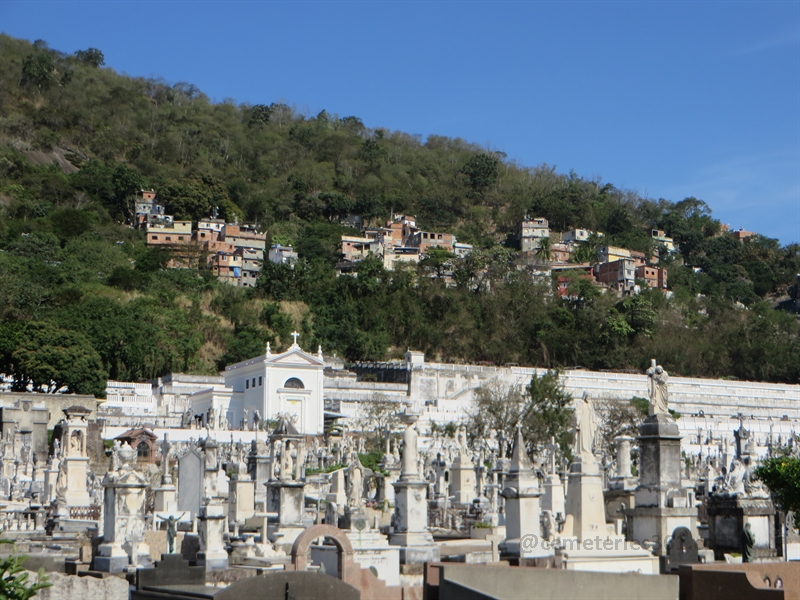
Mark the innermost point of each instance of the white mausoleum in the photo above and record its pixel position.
(271, 384)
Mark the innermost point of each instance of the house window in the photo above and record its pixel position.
(154, 237)
(202, 235)
(180, 237)
(168, 238)
(254, 382)
(247, 384)
(260, 381)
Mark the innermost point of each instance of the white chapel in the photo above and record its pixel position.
(289, 383)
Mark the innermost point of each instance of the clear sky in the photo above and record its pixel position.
(672, 99)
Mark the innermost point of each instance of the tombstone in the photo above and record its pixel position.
(211, 525)
(171, 570)
(190, 482)
(241, 499)
(522, 494)
(410, 517)
(125, 493)
(682, 550)
(620, 494)
(585, 508)
(663, 503)
(286, 490)
(164, 496)
(462, 472)
(258, 465)
(553, 498)
(75, 459)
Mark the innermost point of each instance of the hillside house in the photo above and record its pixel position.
(529, 233)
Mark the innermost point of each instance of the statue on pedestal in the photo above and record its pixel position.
(585, 427)
(658, 392)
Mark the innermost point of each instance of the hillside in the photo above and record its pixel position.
(83, 299)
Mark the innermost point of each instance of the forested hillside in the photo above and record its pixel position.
(82, 299)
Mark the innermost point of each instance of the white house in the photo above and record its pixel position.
(272, 384)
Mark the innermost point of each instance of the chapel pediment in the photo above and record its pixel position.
(295, 356)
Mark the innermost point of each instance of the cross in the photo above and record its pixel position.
(295, 335)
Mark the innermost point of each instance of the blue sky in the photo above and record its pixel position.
(671, 99)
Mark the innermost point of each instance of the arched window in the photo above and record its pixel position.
(294, 383)
(143, 450)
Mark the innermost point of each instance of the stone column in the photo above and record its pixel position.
(662, 502)
(623, 456)
(410, 517)
(522, 507)
(211, 526)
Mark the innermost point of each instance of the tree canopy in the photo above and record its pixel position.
(77, 140)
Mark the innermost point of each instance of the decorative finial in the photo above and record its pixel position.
(319, 352)
(295, 335)
(269, 350)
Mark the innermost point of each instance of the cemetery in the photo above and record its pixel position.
(261, 490)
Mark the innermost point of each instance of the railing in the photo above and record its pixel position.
(85, 513)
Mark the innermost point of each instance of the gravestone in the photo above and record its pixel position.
(190, 482)
(172, 569)
(410, 517)
(682, 550)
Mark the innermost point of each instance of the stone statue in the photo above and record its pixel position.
(245, 421)
(256, 419)
(56, 447)
(659, 394)
(549, 525)
(115, 459)
(172, 531)
(747, 541)
(212, 418)
(355, 484)
(585, 426)
(734, 481)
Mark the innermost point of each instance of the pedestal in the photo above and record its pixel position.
(241, 501)
(258, 466)
(410, 521)
(585, 516)
(462, 480)
(123, 522)
(77, 494)
(287, 499)
(212, 553)
(164, 500)
(553, 498)
(662, 503)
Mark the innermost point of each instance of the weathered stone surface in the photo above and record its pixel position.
(69, 587)
(172, 569)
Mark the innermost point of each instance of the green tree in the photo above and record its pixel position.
(548, 412)
(38, 69)
(50, 359)
(92, 57)
(482, 171)
(781, 474)
(545, 250)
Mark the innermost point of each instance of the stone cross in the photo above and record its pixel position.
(295, 335)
